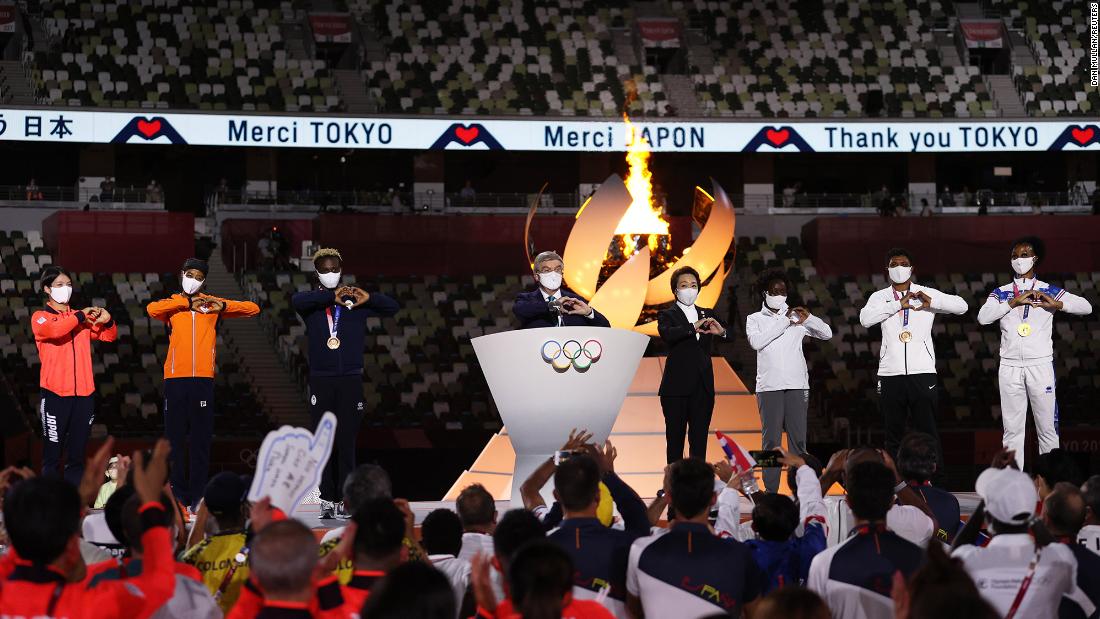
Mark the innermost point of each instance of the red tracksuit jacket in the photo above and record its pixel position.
(64, 347)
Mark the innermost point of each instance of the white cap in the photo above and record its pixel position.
(1010, 496)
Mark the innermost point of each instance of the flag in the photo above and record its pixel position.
(738, 457)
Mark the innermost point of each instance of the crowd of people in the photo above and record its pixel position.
(892, 545)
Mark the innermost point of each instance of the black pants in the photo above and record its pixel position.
(189, 417)
(66, 424)
(343, 397)
(909, 400)
(687, 416)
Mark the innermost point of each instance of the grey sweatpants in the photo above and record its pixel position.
(782, 410)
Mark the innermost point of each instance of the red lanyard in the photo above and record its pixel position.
(1025, 584)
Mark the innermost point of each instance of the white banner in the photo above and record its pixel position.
(544, 134)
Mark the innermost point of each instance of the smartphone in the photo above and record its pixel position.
(766, 458)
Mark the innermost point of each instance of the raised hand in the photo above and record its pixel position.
(361, 296)
(1024, 298)
(93, 472)
(605, 457)
(925, 300)
(723, 469)
(712, 327)
(800, 315)
(482, 583)
(837, 461)
(1004, 459)
(1047, 302)
(789, 458)
(577, 440)
(149, 476)
(89, 312)
(102, 316)
(700, 325)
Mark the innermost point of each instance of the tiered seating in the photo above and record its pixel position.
(525, 56)
(782, 58)
(842, 375)
(129, 371)
(1058, 35)
(421, 369)
(220, 55)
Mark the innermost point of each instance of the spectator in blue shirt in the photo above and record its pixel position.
(917, 465)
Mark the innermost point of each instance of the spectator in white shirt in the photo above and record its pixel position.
(441, 537)
(478, 512)
(1089, 535)
(1025, 311)
(907, 384)
(1063, 516)
(776, 333)
(1012, 572)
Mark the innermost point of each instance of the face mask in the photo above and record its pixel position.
(329, 280)
(191, 285)
(900, 275)
(551, 280)
(775, 302)
(687, 296)
(1022, 265)
(61, 294)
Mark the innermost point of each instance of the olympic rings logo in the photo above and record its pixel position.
(572, 353)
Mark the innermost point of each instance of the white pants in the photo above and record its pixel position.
(1019, 386)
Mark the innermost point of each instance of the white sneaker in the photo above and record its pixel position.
(328, 510)
(342, 512)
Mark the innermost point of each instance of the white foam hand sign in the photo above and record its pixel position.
(290, 463)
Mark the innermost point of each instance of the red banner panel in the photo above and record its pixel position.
(982, 32)
(659, 30)
(123, 242)
(8, 14)
(330, 27)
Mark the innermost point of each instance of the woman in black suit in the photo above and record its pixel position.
(687, 387)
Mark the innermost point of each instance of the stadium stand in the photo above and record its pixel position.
(128, 372)
(172, 54)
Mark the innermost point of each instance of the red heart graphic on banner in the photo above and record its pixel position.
(148, 129)
(777, 137)
(1082, 135)
(467, 134)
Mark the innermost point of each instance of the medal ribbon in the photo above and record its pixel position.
(333, 321)
(1016, 293)
(905, 313)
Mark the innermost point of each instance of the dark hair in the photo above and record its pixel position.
(284, 557)
(516, 528)
(441, 533)
(870, 487)
(49, 274)
(765, 279)
(41, 514)
(366, 482)
(792, 603)
(112, 513)
(577, 482)
(775, 517)
(684, 271)
(898, 251)
(1064, 509)
(691, 484)
(1090, 491)
(132, 527)
(412, 590)
(475, 506)
(540, 575)
(917, 456)
(942, 589)
(380, 529)
(1058, 465)
(1036, 243)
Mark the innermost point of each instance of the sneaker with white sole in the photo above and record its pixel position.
(328, 510)
(342, 512)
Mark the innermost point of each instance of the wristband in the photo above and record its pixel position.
(901, 486)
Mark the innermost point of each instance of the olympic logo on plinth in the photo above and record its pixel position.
(571, 354)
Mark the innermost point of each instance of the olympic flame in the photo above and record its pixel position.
(644, 215)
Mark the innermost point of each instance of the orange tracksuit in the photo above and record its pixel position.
(193, 335)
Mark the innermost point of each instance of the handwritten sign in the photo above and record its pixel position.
(290, 463)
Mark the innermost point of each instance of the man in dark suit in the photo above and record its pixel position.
(687, 386)
(551, 305)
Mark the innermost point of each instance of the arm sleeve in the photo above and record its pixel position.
(943, 303)
(992, 310)
(142, 595)
(729, 513)
(107, 332)
(239, 309)
(1073, 304)
(162, 310)
(46, 328)
(809, 546)
(761, 330)
(381, 305)
(672, 333)
(632, 570)
(306, 303)
(811, 505)
(631, 507)
(529, 307)
(876, 311)
(818, 328)
(248, 603)
(598, 319)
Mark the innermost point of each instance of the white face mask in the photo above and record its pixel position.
(191, 285)
(329, 280)
(551, 280)
(900, 275)
(61, 294)
(687, 296)
(1022, 265)
(775, 302)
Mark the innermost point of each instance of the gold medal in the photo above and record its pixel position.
(905, 336)
(333, 343)
(1024, 329)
